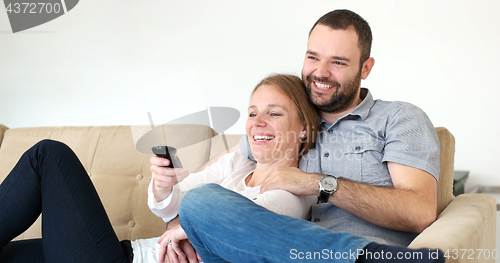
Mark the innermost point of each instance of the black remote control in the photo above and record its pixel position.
(168, 152)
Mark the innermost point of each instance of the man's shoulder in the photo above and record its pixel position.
(391, 108)
(393, 104)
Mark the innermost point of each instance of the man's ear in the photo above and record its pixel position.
(367, 67)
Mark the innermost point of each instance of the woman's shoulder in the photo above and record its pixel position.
(233, 162)
(235, 158)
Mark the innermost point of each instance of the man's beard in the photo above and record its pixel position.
(343, 97)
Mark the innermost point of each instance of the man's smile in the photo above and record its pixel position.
(322, 86)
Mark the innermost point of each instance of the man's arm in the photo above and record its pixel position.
(410, 206)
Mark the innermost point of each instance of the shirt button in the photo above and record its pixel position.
(330, 131)
(357, 148)
(316, 220)
(327, 154)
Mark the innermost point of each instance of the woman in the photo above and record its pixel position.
(279, 124)
(50, 178)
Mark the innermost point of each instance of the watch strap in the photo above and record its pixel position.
(323, 196)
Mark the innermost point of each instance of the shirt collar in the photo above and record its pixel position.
(361, 111)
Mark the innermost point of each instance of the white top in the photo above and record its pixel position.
(229, 172)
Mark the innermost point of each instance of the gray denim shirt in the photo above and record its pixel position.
(358, 146)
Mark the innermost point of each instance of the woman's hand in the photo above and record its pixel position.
(164, 178)
(176, 248)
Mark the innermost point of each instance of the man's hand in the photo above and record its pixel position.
(164, 178)
(293, 180)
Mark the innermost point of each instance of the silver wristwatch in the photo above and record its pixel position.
(327, 186)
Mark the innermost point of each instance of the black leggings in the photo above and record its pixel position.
(75, 228)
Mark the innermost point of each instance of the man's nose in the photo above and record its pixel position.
(322, 70)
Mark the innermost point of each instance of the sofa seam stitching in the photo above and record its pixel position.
(94, 153)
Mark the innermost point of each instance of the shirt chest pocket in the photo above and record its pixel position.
(362, 161)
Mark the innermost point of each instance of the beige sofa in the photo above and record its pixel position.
(121, 175)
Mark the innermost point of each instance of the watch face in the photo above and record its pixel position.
(329, 183)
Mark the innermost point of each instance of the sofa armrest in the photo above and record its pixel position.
(464, 228)
(3, 128)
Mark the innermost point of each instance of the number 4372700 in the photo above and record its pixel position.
(471, 254)
(34, 8)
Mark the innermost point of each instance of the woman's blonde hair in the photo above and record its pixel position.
(293, 87)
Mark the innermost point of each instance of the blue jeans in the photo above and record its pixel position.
(224, 226)
(75, 228)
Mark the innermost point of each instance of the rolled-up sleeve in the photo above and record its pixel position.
(412, 140)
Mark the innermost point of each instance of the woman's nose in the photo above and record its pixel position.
(259, 121)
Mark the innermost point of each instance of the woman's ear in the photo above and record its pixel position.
(304, 129)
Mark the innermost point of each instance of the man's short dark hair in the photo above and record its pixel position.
(342, 19)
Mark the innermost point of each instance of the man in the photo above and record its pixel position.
(366, 144)
(374, 169)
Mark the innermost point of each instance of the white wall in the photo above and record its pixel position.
(86, 67)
